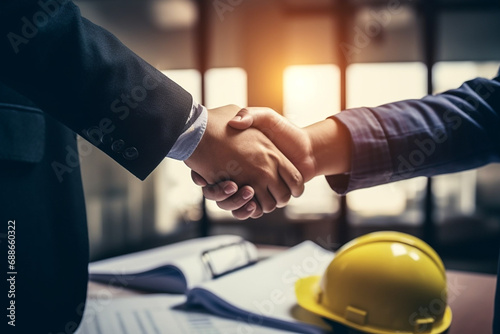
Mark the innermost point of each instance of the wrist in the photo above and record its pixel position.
(194, 161)
(191, 135)
(331, 147)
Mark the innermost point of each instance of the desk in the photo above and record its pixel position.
(470, 296)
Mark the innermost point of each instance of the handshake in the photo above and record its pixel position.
(253, 160)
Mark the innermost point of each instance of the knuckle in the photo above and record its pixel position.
(297, 179)
(284, 197)
(267, 174)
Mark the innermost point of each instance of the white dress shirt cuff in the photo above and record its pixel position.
(192, 133)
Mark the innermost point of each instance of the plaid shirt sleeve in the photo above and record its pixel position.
(444, 133)
(371, 160)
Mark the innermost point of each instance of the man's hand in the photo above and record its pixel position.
(291, 140)
(323, 148)
(319, 149)
(228, 197)
(247, 158)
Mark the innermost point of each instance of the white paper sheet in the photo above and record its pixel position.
(266, 289)
(185, 255)
(157, 314)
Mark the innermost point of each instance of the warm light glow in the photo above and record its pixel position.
(226, 86)
(173, 14)
(449, 75)
(371, 85)
(311, 93)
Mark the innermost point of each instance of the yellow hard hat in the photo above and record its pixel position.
(383, 282)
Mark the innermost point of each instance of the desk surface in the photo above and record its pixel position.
(470, 296)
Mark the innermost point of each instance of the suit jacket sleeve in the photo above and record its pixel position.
(444, 133)
(87, 79)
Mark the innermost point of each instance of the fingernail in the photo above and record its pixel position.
(229, 189)
(251, 206)
(247, 194)
(237, 118)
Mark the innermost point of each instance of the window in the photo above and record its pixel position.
(312, 93)
(378, 83)
(372, 85)
(455, 194)
(226, 86)
(176, 196)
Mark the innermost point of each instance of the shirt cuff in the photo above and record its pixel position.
(191, 134)
(371, 163)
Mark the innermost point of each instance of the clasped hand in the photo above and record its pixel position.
(260, 159)
(262, 177)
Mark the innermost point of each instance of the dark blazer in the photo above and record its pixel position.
(60, 75)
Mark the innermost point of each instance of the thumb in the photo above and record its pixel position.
(198, 179)
(242, 120)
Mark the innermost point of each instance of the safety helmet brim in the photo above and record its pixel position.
(306, 291)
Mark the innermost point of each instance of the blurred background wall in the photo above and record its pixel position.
(306, 59)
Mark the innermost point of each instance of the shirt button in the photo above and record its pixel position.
(130, 153)
(118, 146)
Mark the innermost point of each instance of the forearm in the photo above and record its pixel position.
(448, 132)
(331, 147)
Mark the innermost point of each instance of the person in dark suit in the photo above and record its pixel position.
(363, 147)
(61, 75)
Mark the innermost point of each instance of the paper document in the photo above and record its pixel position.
(264, 293)
(158, 314)
(178, 267)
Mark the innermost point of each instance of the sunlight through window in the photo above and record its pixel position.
(226, 86)
(312, 93)
(456, 193)
(371, 85)
(176, 196)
